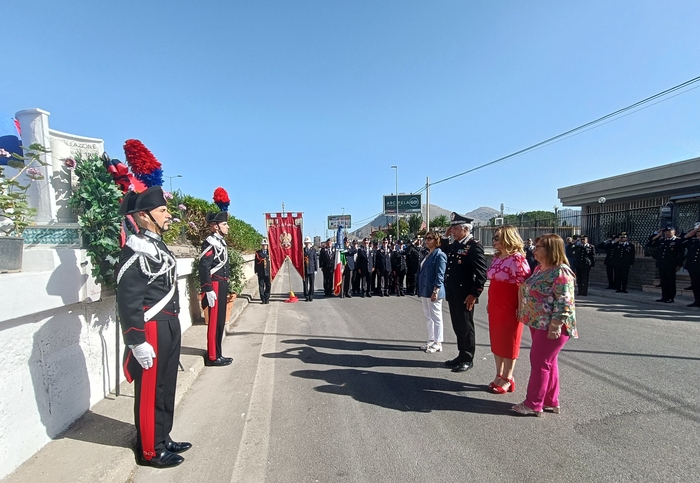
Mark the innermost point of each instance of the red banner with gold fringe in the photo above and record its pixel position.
(284, 233)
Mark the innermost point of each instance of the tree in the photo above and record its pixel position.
(440, 221)
(415, 221)
(378, 236)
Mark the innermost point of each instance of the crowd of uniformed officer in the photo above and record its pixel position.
(373, 269)
(672, 253)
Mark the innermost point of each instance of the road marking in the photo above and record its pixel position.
(251, 461)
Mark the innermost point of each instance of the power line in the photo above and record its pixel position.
(577, 130)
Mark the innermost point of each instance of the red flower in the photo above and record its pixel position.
(140, 158)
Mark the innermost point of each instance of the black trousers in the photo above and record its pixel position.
(355, 282)
(309, 281)
(154, 388)
(264, 285)
(411, 282)
(383, 282)
(463, 325)
(217, 319)
(695, 282)
(668, 282)
(328, 281)
(364, 282)
(582, 276)
(375, 281)
(347, 280)
(399, 276)
(612, 281)
(622, 273)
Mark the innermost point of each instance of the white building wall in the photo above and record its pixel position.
(58, 354)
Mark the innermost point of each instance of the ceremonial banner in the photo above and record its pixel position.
(284, 233)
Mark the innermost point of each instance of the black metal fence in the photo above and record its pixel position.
(639, 223)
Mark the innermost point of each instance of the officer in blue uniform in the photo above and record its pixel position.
(465, 277)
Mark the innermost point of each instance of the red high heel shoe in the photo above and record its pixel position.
(493, 384)
(502, 390)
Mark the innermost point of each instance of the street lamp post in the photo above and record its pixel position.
(397, 201)
(171, 180)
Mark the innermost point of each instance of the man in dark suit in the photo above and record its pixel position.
(310, 267)
(691, 241)
(364, 265)
(669, 259)
(584, 256)
(412, 266)
(398, 268)
(621, 259)
(382, 265)
(465, 277)
(350, 252)
(326, 261)
(608, 246)
(262, 270)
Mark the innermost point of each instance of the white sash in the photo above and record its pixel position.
(153, 311)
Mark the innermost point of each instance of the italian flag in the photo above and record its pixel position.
(337, 273)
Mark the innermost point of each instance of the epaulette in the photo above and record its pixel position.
(214, 241)
(142, 245)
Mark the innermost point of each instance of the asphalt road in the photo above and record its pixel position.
(337, 391)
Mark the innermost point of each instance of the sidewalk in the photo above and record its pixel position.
(98, 447)
(639, 297)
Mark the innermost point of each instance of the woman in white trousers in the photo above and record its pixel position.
(431, 290)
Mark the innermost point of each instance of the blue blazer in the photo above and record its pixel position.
(432, 274)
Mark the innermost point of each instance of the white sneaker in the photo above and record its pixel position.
(427, 345)
(437, 347)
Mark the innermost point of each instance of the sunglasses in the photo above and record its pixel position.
(496, 238)
(540, 246)
(430, 238)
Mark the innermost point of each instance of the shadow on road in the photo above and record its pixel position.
(310, 355)
(403, 392)
(99, 429)
(634, 311)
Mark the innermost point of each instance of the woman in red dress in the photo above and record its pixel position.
(508, 270)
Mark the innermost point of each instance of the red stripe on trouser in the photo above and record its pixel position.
(147, 401)
(213, 322)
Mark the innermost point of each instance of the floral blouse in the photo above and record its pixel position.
(549, 295)
(511, 269)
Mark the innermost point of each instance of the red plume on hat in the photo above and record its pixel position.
(143, 163)
(221, 199)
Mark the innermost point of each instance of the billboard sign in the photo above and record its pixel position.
(334, 221)
(407, 204)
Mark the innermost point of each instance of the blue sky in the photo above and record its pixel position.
(310, 102)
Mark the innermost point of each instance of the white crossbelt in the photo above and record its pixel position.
(153, 311)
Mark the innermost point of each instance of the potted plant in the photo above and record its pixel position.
(236, 279)
(15, 213)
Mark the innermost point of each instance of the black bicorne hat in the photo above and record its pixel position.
(219, 217)
(149, 200)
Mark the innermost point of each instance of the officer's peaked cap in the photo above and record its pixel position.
(457, 219)
(307, 239)
(264, 242)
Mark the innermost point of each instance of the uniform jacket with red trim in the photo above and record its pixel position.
(262, 263)
(214, 254)
(145, 276)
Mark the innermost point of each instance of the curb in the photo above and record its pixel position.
(104, 435)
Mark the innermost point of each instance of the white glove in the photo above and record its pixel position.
(211, 298)
(144, 353)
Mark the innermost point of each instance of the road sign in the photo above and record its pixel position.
(407, 204)
(334, 221)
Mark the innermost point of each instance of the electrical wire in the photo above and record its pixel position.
(582, 128)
